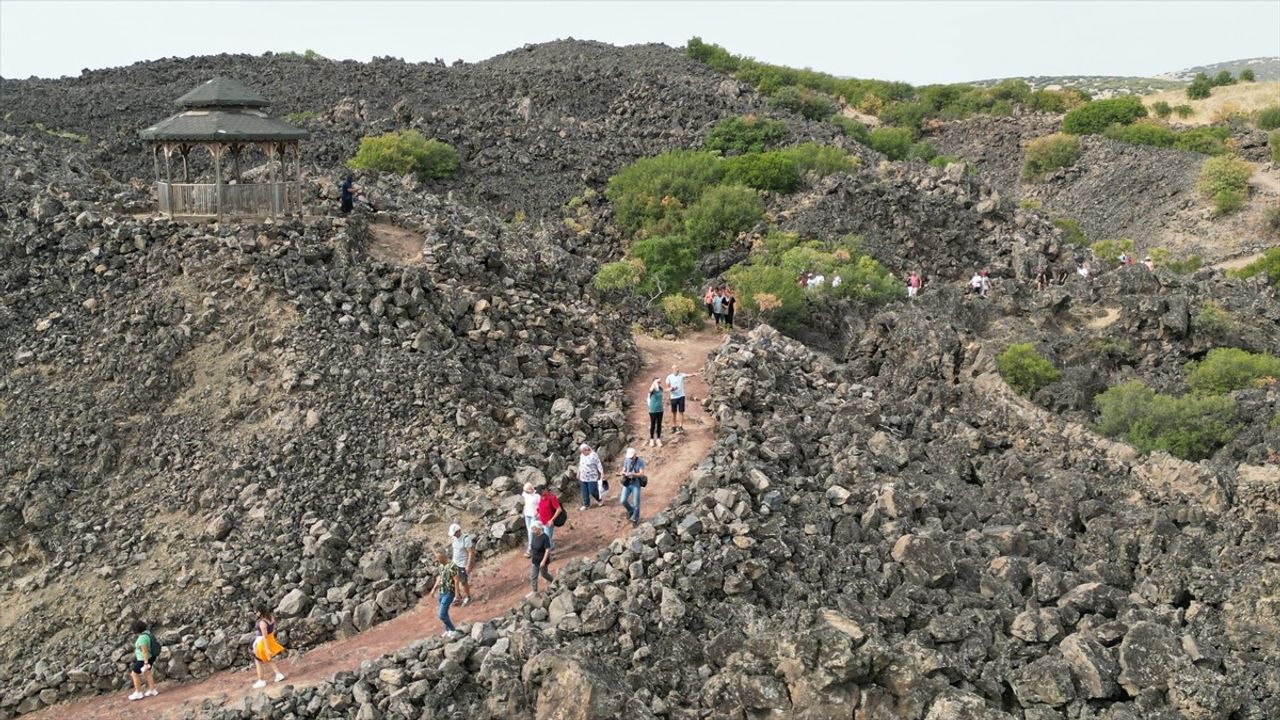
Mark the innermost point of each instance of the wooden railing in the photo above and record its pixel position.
(254, 199)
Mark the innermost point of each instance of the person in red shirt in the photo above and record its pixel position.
(548, 510)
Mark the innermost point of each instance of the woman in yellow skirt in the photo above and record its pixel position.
(265, 647)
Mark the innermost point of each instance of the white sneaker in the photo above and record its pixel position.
(452, 634)
(135, 695)
(279, 677)
(584, 507)
(151, 693)
(260, 684)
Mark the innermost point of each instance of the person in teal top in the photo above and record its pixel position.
(142, 661)
(655, 413)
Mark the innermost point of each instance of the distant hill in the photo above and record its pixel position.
(1098, 86)
(1264, 68)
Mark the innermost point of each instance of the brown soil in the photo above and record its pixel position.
(499, 584)
(394, 244)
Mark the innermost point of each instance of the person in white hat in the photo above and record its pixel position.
(590, 473)
(464, 555)
(632, 478)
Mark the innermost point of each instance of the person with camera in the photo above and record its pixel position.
(632, 480)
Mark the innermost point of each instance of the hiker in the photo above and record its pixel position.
(548, 510)
(803, 280)
(540, 556)
(675, 383)
(1083, 270)
(347, 192)
(590, 473)
(1124, 260)
(913, 284)
(708, 300)
(729, 301)
(464, 557)
(986, 282)
(632, 480)
(655, 413)
(531, 499)
(836, 281)
(975, 284)
(265, 646)
(1151, 264)
(1042, 280)
(143, 657)
(446, 583)
(717, 307)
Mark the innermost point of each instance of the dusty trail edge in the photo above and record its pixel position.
(500, 581)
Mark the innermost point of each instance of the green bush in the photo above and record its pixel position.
(852, 128)
(1098, 115)
(1203, 140)
(1162, 257)
(895, 143)
(1226, 369)
(669, 263)
(774, 171)
(1269, 117)
(680, 310)
(1024, 369)
(1246, 75)
(1213, 322)
(923, 151)
(941, 161)
(641, 193)
(737, 135)
(406, 152)
(1071, 232)
(1046, 154)
(1143, 133)
(620, 275)
(768, 292)
(910, 114)
(1109, 251)
(1056, 101)
(821, 160)
(1162, 109)
(714, 56)
(1273, 139)
(1200, 88)
(809, 103)
(1183, 111)
(1190, 427)
(720, 214)
(1268, 264)
(1223, 78)
(1224, 182)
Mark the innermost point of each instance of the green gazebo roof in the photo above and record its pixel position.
(223, 125)
(222, 92)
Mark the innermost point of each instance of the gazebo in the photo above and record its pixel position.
(226, 118)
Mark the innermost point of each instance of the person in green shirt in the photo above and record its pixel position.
(447, 585)
(142, 661)
(655, 413)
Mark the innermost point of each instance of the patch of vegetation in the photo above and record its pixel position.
(811, 104)
(64, 134)
(1025, 369)
(1162, 257)
(680, 311)
(1191, 427)
(737, 135)
(1214, 322)
(1273, 139)
(302, 116)
(853, 129)
(895, 143)
(1049, 153)
(669, 263)
(1200, 87)
(1224, 182)
(1204, 140)
(720, 214)
(1183, 111)
(620, 275)
(405, 152)
(652, 189)
(1162, 109)
(1110, 250)
(1071, 232)
(941, 161)
(821, 160)
(1268, 118)
(773, 171)
(1096, 116)
(1225, 370)
(1268, 264)
(1030, 204)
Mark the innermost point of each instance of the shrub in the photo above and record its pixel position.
(1223, 78)
(768, 292)
(1204, 140)
(941, 161)
(1200, 88)
(923, 152)
(852, 128)
(1071, 232)
(1096, 116)
(1046, 154)
(1162, 109)
(640, 191)
(1273, 139)
(774, 171)
(1024, 369)
(746, 134)
(1182, 265)
(620, 275)
(1109, 251)
(1190, 427)
(1183, 111)
(1268, 264)
(1226, 369)
(895, 143)
(1055, 101)
(723, 211)
(1224, 182)
(812, 105)
(713, 56)
(680, 310)
(406, 152)
(1214, 322)
(1246, 75)
(1143, 134)
(668, 262)
(909, 114)
(1269, 117)
(821, 160)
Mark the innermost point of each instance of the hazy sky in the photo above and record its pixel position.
(920, 42)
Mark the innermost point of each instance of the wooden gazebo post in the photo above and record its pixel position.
(216, 149)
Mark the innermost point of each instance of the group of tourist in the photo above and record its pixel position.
(816, 280)
(720, 303)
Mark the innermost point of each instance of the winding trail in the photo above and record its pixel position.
(500, 582)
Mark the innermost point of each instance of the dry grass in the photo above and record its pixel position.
(1239, 98)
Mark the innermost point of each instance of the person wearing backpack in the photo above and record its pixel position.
(265, 646)
(632, 480)
(550, 513)
(145, 651)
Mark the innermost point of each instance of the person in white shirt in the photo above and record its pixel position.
(531, 499)
(590, 473)
(675, 383)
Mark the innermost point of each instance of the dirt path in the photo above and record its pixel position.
(499, 584)
(1237, 262)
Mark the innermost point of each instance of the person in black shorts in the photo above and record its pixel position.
(675, 383)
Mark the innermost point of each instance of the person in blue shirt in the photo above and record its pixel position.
(632, 477)
(655, 413)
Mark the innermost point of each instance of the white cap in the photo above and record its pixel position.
(631, 452)
(584, 446)
(454, 529)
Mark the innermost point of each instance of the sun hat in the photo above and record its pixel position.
(631, 452)
(454, 529)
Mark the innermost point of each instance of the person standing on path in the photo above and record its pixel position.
(655, 413)
(464, 557)
(675, 383)
(707, 300)
(632, 474)
(531, 499)
(265, 646)
(717, 307)
(913, 284)
(548, 510)
(446, 583)
(347, 192)
(143, 657)
(590, 473)
(539, 557)
(729, 301)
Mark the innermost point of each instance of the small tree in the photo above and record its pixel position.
(1025, 369)
(405, 152)
(1246, 75)
(1224, 182)
(1162, 109)
(643, 192)
(669, 263)
(1200, 88)
(1223, 78)
(1269, 117)
(1046, 154)
(723, 211)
